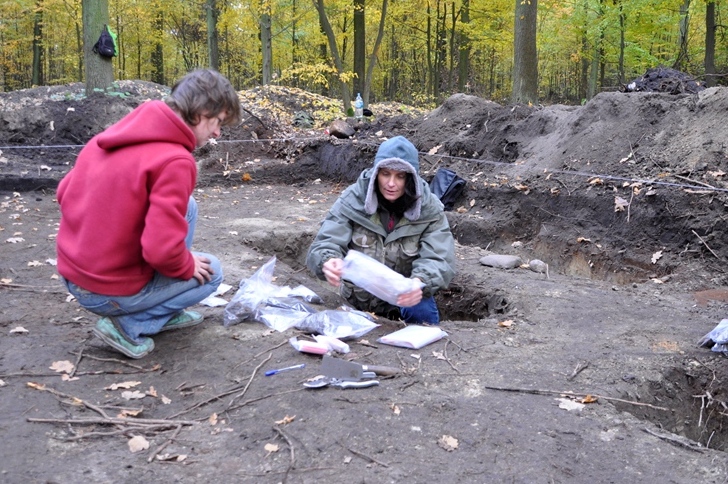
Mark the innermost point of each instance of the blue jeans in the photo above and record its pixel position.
(423, 312)
(163, 297)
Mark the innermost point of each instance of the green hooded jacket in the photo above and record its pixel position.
(421, 244)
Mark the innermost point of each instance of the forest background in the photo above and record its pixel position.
(413, 51)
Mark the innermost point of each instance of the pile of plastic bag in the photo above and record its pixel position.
(281, 308)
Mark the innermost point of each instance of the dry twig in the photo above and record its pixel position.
(364, 456)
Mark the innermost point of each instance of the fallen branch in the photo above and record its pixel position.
(706, 245)
(291, 450)
(219, 396)
(165, 444)
(571, 394)
(688, 444)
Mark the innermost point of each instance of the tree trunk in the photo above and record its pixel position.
(709, 62)
(525, 58)
(682, 57)
(375, 52)
(464, 49)
(266, 43)
(37, 76)
(157, 59)
(213, 52)
(331, 37)
(99, 70)
(622, 43)
(359, 45)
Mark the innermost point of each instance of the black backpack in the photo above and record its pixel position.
(105, 46)
(447, 186)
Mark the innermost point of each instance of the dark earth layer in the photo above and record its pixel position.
(624, 198)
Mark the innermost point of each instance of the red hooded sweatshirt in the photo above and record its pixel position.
(123, 204)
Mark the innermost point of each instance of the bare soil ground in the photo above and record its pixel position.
(589, 373)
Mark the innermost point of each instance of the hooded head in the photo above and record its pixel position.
(397, 154)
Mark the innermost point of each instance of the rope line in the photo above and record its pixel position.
(426, 155)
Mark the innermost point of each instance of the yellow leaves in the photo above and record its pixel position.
(246, 177)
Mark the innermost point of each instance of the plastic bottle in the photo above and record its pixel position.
(358, 106)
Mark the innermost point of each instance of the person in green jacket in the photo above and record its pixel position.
(389, 214)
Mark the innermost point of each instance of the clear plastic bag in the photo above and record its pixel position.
(258, 291)
(336, 323)
(376, 278)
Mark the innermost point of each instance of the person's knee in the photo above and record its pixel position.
(216, 267)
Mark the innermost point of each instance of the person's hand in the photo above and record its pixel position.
(412, 298)
(203, 271)
(332, 269)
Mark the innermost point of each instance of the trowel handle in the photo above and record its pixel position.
(381, 370)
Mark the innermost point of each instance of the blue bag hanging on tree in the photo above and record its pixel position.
(106, 45)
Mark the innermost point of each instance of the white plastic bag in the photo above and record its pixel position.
(376, 278)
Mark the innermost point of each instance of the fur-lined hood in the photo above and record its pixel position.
(397, 154)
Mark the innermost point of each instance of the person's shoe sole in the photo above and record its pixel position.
(109, 340)
(193, 319)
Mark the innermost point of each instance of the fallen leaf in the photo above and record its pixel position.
(138, 443)
(37, 386)
(347, 459)
(270, 448)
(34, 263)
(439, 355)
(461, 210)
(506, 324)
(18, 329)
(246, 177)
(472, 202)
(395, 409)
(285, 420)
(64, 366)
(135, 395)
(212, 420)
(152, 392)
(596, 181)
(589, 399)
(448, 443)
(125, 385)
(171, 457)
(582, 239)
(129, 412)
(66, 377)
(15, 240)
(5, 281)
(570, 405)
(166, 400)
(620, 204)
(434, 150)
(656, 256)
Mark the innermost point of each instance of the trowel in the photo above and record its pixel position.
(351, 371)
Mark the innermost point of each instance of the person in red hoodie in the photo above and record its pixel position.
(128, 216)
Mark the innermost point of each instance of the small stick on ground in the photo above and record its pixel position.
(364, 456)
(165, 444)
(115, 360)
(572, 394)
(291, 450)
(676, 440)
(705, 244)
(579, 368)
(78, 358)
(444, 354)
(250, 380)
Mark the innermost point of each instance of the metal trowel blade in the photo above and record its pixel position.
(341, 369)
